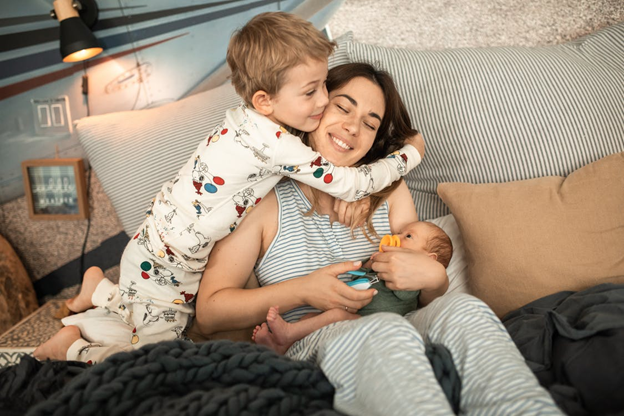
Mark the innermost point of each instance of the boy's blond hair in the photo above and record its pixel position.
(260, 53)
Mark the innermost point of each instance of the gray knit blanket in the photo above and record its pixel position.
(182, 378)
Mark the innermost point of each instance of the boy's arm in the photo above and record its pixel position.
(293, 158)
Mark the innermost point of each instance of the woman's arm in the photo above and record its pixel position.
(223, 303)
(402, 210)
(404, 269)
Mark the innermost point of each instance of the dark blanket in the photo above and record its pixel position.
(574, 343)
(170, 378)
(181, 378)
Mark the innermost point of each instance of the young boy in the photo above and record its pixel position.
(420, 236)
(279, 67)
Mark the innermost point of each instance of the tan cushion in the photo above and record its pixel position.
(531, 238)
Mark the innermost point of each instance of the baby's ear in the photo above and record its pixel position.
(433, 256)
(262, 103)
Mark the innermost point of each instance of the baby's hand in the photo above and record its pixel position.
(352, 212)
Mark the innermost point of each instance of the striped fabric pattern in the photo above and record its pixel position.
(495, 377)
(303, 244)
(135, 152)
(378, 364)
(341, 55)
(492, 115)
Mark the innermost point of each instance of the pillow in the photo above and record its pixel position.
(532, 238)
(507, 113)
(457, 269)
(135, 152)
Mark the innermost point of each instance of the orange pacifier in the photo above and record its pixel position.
(390, 240)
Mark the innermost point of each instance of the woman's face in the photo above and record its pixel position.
(350, 122)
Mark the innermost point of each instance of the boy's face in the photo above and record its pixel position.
(302, 99)
(415, 236)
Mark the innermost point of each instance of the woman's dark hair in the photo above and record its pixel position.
(396, 125)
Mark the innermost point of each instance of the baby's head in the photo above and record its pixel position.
(429, 238)
(279, 66)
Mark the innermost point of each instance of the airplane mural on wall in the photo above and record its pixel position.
(155, 51)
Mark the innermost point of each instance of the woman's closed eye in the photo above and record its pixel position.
(370, 126)
(346, 111)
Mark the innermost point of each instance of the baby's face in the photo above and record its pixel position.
(301, 100)
(415, 236)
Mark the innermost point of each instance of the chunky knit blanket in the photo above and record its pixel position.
(178, 378)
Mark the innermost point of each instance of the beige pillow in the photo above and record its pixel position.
(531, 238)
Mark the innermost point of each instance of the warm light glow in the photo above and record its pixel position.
(82, 55)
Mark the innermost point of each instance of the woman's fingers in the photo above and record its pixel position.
(349, 211)
(345, 266)
(354, 298)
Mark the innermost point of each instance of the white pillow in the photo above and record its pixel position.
(135, 152)
(457, 269)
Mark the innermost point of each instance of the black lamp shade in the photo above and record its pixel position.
(77, 41)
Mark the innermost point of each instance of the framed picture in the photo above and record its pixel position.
(56, 189)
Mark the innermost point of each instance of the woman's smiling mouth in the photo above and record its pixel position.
(340, 143)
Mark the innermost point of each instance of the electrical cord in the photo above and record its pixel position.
(86, 237)
(85, 91)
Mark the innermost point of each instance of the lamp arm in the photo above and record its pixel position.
(64, 9)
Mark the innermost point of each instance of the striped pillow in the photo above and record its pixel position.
(505, 114)
(341, 55)
(135, 152)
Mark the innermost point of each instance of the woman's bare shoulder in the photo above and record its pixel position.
(265, 210)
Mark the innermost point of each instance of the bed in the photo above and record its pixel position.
(524, 169)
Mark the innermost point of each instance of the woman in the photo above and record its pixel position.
(376, 363)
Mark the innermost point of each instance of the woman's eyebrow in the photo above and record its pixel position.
(355, 103)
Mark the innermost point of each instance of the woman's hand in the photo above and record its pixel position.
(323, 290)
(404, 269)
(349, 212)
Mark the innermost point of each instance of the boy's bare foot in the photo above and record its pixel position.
(80, 303)
(279, 337)
(56, 347)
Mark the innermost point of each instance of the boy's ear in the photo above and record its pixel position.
(262, 103)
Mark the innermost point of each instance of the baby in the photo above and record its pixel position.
(418, 236)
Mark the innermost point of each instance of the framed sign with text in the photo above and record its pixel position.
(55, 189)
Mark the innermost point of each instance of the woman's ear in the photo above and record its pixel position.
(262, 103)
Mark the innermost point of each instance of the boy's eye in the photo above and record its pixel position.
(310, 93)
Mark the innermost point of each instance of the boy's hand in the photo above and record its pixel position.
(349, 212)
(418, 142)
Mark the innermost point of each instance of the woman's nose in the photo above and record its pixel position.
(351, 126)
